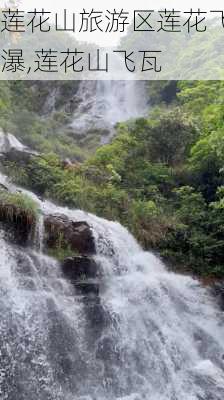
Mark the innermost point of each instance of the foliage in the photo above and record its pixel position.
(61, 250)
(25, 112)
(161, 176)
(18, 205)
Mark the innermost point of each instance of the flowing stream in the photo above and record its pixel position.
(148, 335)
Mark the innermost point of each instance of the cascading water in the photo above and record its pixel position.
(39, 234)
(148, 335)
(8, 141)
(102, 104)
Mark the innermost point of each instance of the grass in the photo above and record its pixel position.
(61, 249)
(18, 207)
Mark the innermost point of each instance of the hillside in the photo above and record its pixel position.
(161, 176)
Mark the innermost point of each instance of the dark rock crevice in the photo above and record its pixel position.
(218, 293)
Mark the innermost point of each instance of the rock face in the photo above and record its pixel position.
(16, 229)
(218, 292)
(16, 234)
(16, 223)
(9, 142)
(61, 231)
(12, 149)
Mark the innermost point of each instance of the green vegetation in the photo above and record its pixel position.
(162, 176)
(18, 207)
(61, 252)
(60, 248)
(23, 112)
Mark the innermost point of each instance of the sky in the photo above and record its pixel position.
(111, 39)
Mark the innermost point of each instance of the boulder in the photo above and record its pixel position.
(62, 232)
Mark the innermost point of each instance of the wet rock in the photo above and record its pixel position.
(17, 219)
(62, 232)
(17, 234)
(16, 229)
(86, 277)
(83, 273)
(3, 187)
(80, 267)
(13, 150)
(90, 289)
(218, 292)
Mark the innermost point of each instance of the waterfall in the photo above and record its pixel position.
(8, 142)
(102, 104)
(148, 335)
(39, 233)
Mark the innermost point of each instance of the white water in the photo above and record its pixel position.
(39, 234)
(102, 104)
(151, 335)
(8, 141)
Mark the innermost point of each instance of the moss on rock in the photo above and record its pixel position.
(19, 213)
